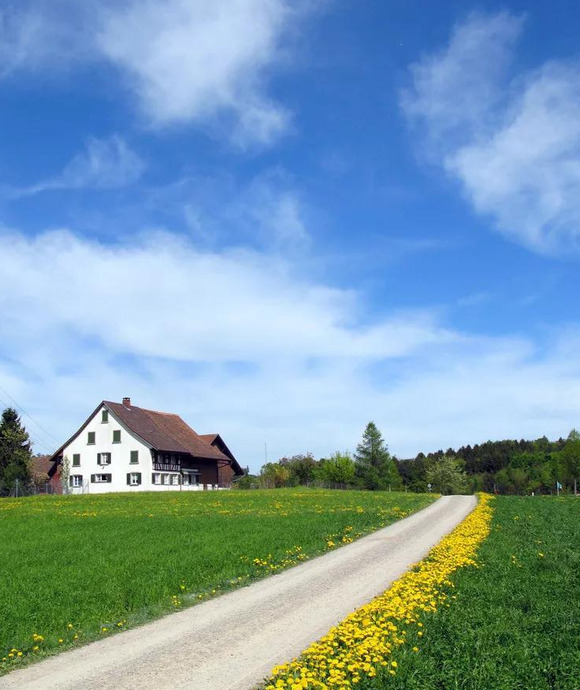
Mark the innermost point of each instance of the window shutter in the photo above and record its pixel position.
(70, 480)
(128, 478)
(138, 477)
(92, 478)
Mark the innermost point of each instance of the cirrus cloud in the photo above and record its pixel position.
(205, 63)
(513, 142)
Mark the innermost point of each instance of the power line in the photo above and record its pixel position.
(32, 434)
(31, 418)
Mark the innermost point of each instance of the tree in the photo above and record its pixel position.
(338, 469)
(374, 468)
(248, 481)
(273, 475)
(446, 476)
(570, 459)
(15, 453)
(301, 468)
(65, 475)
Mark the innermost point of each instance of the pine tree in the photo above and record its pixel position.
(375, 469)
(15, 452)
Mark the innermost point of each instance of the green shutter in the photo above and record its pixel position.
(91, 438)
(117, 436)
(105, 416)
(76, 459)
(134, 457)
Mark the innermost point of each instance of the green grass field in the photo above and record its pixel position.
(77, 567)
(515, 623)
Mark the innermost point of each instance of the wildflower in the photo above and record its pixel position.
(365, 640)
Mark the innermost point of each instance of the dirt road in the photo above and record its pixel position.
(232, 642)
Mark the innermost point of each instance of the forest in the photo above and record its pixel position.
(538, 466)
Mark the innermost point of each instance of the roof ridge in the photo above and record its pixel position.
(136, 407)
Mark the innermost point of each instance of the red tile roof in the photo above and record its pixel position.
(165, 431)
(40, 465)
(217, 441)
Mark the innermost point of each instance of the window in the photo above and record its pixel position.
(76, 460)
(134, 457)
(190, 479)
(117, 436)
(165, 479)
(76, 480)
(134, 478)
(101, 478)
(91, 438)
(104, 416)
(103, 458)
(175, 479)
(156, 478)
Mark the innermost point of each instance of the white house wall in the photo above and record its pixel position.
(120, 459)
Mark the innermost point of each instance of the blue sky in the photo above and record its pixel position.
(283, 219)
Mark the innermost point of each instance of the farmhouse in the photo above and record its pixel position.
(126, 448)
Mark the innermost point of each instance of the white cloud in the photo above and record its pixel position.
(201, 62)
(267, 212)
(514, 144)
(237, 343)
(104, 164)
(237, 305)
(34, 36)
(190, 60)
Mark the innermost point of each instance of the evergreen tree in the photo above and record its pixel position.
(374, 467)
(15, 452)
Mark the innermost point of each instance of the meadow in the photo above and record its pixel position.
(75, 568)
(511, 623)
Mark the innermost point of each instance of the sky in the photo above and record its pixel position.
(281, 219)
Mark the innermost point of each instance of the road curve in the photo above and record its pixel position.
(232, 642)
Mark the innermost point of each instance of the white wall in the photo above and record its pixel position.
(120, 457)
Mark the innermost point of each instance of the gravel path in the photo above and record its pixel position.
(232, 642)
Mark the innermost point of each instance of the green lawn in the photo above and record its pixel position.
(77, 567)
(515, 623)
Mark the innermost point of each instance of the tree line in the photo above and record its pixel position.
(504, 467)
(371, 467)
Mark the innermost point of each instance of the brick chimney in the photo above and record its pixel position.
(127, 402)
